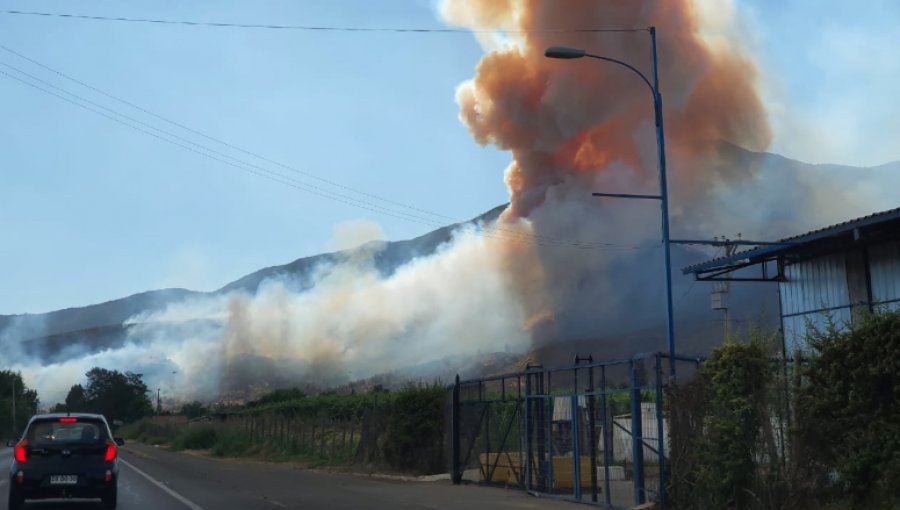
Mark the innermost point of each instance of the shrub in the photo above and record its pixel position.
(717, 422)
(848, 411)
(196, 438)
(148, 432)
(193, 409)
(415, 431)
(231, 443)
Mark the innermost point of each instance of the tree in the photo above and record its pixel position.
(193, 410)
(12, 388)
(115, 395)
(75, 400)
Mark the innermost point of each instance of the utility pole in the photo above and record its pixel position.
(14, 406)
(158, 403)
(730, 249)
(721, 290)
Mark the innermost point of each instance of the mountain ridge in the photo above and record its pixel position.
(98, 324)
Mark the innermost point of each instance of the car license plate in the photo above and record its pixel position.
(63, 479)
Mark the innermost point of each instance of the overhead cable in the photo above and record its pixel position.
(319, 28)
(222, 157)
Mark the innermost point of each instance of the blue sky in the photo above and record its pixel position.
(92, 210)
(831, 71)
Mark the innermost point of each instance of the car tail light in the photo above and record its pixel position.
(108, 475)
(68, 420)
(20, 477)
(20, 451)
(111, 450)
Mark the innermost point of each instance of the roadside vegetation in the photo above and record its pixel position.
(17, 403)
(120, 397)
(821, 431)
(750, 431)
(848, 414)
(400, 431)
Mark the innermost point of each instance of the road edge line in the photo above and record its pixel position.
(188, 503)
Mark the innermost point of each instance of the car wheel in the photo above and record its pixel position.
(110, 498)
(16, 501)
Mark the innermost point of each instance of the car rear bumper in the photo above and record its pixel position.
(87, 487)
(64, 493)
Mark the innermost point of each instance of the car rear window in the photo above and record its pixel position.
(52, 432)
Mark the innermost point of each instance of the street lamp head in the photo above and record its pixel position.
(564, 52)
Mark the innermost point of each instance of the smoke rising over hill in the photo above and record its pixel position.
(557, 263)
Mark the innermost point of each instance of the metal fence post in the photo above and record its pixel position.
(576, 454)
(551, 481)
(457, 472)
(592, 430)
(529, 461)
(607, 432)
(660, 432)
(592, 411)
(637, 440)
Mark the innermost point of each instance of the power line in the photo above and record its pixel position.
(269, 175)
(218, 140)
(314, 27)
(279, 178)
(694, 281)
(202, 150)
(317, 190)
(274, 176)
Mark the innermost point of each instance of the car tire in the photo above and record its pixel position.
(16, 500)
(110, 498)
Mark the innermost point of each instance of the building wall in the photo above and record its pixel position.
(884, 268)
(838, 287)
(813, 291)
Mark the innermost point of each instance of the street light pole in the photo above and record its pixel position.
(664, 205)
(571, 53)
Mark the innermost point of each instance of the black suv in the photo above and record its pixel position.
(65, 456)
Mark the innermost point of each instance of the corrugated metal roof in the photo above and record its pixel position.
(799, 240)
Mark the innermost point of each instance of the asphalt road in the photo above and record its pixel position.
(152, 478)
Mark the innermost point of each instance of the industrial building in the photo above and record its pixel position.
(837, 272)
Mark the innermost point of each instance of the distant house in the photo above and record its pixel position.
(836, 272)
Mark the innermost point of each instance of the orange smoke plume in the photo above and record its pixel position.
(565, 118)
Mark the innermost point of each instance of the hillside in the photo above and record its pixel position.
(634, 323)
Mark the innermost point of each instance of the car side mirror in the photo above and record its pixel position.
(119, 441)
(11, 442)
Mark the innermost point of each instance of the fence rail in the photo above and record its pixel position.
(325, 438)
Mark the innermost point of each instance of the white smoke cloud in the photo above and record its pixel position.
(352, 323)
(352, 234)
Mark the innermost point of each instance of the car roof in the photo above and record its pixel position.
(52, 416)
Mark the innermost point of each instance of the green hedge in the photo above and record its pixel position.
(716, 423)
(849, 413)
(198, 437)
(414, 440)
(327, 405)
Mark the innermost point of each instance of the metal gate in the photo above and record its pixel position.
(592, 432)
